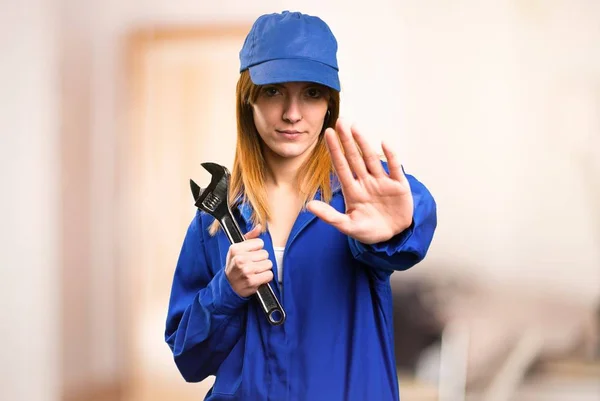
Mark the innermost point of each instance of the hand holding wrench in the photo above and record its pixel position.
(214, 201)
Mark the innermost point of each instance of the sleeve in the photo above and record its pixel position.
(408, 248)
(205, 317)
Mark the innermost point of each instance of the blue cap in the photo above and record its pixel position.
(290, 47)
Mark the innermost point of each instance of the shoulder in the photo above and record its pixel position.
(200, 224)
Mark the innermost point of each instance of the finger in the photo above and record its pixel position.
(262, 266)
(393, 162)
(369, 156)
(340, 164)
(249, 245)
(263, 278)
(257, 256)
(254, 233)
(242, 264)
(355, 160)
(328, 214)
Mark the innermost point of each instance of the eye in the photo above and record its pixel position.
(314, 92)
(270, 91)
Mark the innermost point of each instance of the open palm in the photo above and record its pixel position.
(378, 205)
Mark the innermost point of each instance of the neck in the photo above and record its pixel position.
(283, 172)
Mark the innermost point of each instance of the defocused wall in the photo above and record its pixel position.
(494, 105)
(29, 167)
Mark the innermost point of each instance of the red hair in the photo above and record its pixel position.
(247, 183)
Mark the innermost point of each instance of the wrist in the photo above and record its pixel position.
(224, 298)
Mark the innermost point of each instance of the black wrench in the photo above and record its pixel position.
(214, 201)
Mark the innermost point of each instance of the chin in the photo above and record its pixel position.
(290, 152)
(288, 155)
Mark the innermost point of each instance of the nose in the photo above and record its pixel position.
(292, 112)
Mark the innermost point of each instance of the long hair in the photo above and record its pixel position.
(247, 183)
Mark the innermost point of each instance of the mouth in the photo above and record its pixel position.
(288, 132)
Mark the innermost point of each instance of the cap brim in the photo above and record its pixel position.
(294, 70)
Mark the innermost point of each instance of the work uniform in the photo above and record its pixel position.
(337, 343)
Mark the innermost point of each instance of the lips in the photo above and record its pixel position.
(288, 132)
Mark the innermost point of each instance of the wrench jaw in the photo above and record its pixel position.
(214, 200)
(196, 190)
(214, 195)
(216, 171)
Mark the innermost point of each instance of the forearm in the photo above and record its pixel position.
(203, 334)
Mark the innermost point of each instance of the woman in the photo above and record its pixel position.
(326, 222)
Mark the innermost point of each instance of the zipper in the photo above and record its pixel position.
(289, 244)
(276, 269)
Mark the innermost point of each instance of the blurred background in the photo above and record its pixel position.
(108, 108)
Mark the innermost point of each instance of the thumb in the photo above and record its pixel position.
(327, 213)
(254, 233)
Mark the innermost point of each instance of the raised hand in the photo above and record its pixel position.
(378, 205)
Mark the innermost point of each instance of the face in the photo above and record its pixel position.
(289, 118)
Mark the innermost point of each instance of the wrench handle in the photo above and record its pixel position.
(231, 228)
(265, 295)
(270, 305)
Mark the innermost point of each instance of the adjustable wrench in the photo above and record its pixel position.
(214, 201)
